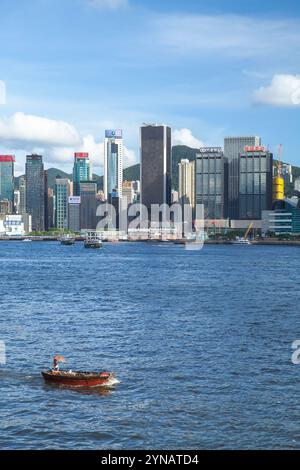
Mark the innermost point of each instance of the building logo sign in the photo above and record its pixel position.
(74, 200)
(113, 133)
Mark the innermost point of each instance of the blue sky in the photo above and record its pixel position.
(207, 68)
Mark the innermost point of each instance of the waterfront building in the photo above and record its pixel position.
(255, 182)
(88, 205)
(62, 194)
(46, 216)
(211, 182)
(35, 191)
(283, 219)
(82, 171)
(113, 162)
(7, 179)
(15, 225)
(74, 213)
(22, 189)
(156, 161)
(233, 147)
(186, 193)
(51, 208)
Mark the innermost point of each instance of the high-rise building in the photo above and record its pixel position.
(156, 164)
(46, 215)
(74, 213)
(128, 192)
(233, 147)
(22, 189)
(186, 193)
(88, 206)
(62, 194)
(35, 191)
(7, 179)
(82, 171)
(113, 163)
(255, 182)
(211, 182)
(51, 208)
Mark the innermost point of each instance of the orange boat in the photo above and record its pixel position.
(78, 378)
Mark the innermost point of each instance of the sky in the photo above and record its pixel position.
(69, 69)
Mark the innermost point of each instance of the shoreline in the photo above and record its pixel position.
(266, 241)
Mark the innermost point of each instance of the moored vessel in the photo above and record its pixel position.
(67, 240)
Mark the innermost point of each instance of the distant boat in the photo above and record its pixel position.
(93, 243)
(27, 240)
(241, 241)
(67, 240)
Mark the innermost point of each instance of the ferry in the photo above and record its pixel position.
(93, 243)
(67, 240)
(241, 241)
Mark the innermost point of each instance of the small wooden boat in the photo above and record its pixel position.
(78, 378)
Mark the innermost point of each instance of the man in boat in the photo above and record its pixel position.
(55, 367)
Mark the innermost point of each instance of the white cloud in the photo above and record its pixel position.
(57, 141)
(235, 36)
(111, 4)
(284, 90)
(26, 128)
(185, 137)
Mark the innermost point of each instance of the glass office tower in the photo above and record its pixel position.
(81, 171)
(211, 182)
(35, 191)
(255, 182)
(88, 206)
(233, 147)
(113, 163)
(156, 164)
(7, 179)
(62, 194)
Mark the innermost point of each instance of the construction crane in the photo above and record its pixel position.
(248, 231)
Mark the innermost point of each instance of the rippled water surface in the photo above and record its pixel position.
(200, 341)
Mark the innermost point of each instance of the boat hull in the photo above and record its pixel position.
(78, 379)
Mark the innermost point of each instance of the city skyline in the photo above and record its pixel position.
(208, 71)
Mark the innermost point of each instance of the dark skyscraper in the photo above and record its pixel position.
(35, 191)
(211, 182)
(156, 160)
(233, 147)
(256, 182)
(88, 206)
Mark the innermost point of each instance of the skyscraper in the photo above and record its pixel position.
(186, 191)
(62, 194)
(35, 191)
(233, 147)
(88, 206)
(255, 182)
(7, 179)
(156, 164)
(81, 171)
(22, 189)
(74, 213)
(113, 163)
(211, 182)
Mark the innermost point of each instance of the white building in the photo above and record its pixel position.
(113, 163)
(15, 225)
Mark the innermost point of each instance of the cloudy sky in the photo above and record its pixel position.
(208, 68)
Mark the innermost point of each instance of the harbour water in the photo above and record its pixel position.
(200, 342)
